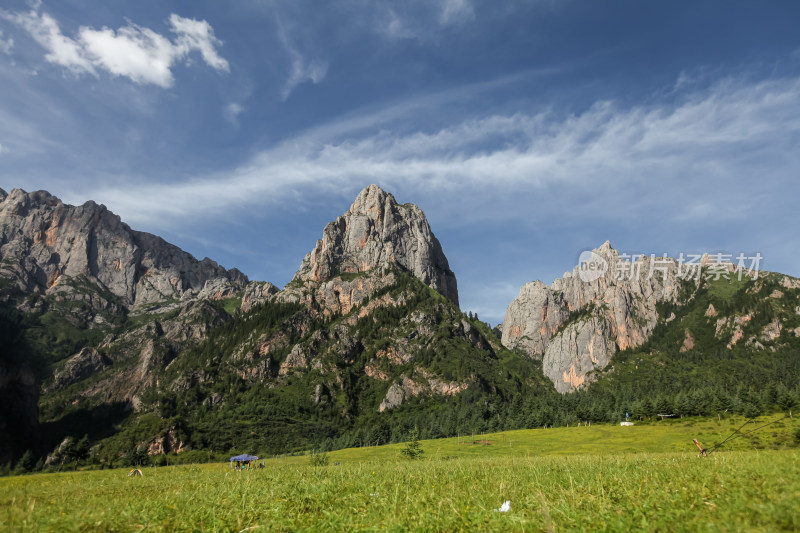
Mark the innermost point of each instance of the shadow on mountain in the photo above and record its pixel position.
(97, 422)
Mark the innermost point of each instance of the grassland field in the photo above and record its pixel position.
(648, 477)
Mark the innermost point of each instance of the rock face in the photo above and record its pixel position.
(170, 442)
(405, 387)
(576, 324)
(79, 367)
(47, 246)
(377, 230)
(257, 292)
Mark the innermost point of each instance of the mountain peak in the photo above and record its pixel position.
(369, 198)
(377, 230)
(605, 247)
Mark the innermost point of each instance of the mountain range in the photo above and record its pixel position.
(122, 342)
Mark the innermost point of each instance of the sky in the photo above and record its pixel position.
(527, 131)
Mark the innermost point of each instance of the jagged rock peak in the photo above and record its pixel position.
(377, 230)
(49, 246)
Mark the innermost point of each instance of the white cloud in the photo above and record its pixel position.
(132, 51)
(302, 68)
(197, 35)
(140, 54)
(61, 50)
(232, 111)
(456, 12)
(6, 45)
(610, 160)
(3, 149)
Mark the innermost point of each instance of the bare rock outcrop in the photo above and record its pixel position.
(79, 367)
(256, 293)
(169, 442)
(578, 322)
(218, 289)
(576, 351)
(405, 388)
(376, 230)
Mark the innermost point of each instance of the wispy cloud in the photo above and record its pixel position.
(45, 30)
(6, 45)
(456, 11)
(705, 147)
(302, 68)
(421, 20)
(132, 51)
(232, 111)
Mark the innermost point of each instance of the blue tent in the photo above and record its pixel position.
(244, 457)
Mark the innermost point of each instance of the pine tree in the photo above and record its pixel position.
(787, 402)
(413, 449)
(26, 463)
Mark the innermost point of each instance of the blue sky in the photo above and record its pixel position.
(526, 131)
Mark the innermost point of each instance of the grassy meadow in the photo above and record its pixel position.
(645, 477)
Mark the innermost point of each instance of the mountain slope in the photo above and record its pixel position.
(69, 277)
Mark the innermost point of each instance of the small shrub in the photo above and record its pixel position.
(318, 459)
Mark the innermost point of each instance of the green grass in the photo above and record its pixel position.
(587, 478)
(669, 435)
(737, 491)
(230, 305)
(725, 289)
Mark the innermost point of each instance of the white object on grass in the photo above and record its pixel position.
(506, 507)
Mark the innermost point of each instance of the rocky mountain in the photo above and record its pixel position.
(369, 326)
(375, 231)
(70, 276)
(576, 324)
(86, 252)
(612, 303)
(117, 344)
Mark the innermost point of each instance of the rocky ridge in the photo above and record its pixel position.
(86, 252)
